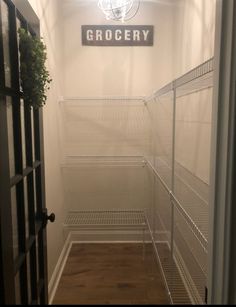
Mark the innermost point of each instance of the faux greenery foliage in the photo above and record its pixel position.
(34, 76)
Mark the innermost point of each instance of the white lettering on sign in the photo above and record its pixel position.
(90, 35)
(127, 35)
(145, 34)
(99, 35)
(108, 35)
(135, 35)
(118, 35)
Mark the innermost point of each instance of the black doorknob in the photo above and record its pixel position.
(46, 217)
(51, 217)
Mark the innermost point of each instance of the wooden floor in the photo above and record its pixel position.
(97, 274)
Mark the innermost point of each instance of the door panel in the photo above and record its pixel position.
(23, 217)
(5, 16)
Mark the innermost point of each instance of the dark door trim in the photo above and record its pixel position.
(222, 203)
(25, 9)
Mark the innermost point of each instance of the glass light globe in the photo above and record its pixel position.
(119, 9)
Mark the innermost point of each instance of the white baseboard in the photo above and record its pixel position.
(54, 281)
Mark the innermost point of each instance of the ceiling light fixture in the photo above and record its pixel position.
(119, 10)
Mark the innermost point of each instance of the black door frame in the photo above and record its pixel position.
(32, 255)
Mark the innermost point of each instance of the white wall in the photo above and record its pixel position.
(48, 13)
(116, 71)
(104, 128)
(110, 128)
(112, 186)
(161, 133)
(194, 44)
(193, 133)
(194, 30)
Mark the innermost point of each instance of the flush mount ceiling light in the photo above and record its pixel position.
(120, 10)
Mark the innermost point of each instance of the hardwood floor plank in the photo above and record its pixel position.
(105, 274)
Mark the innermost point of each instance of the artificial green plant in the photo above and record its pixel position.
(35, 78)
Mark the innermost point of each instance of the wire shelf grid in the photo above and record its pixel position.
(106, 218)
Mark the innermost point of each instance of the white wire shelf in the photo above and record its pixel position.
(106, 219)
(119, 161)
(200, 219)
(101, 101)
(195, 80)
(110, 98)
